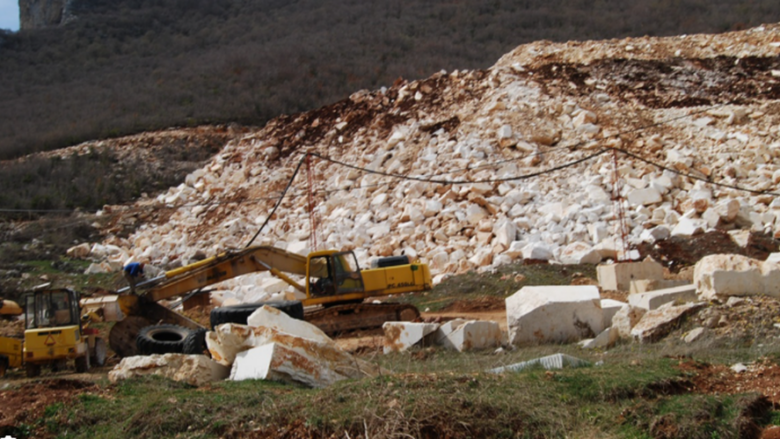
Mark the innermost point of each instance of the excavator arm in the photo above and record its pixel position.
(227, 266)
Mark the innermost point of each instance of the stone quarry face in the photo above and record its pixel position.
(523, 116)
(537, 315)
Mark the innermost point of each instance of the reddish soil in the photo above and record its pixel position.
(761, 377)
(480, 304)
(26, 404)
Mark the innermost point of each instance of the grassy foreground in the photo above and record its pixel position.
(635, 393)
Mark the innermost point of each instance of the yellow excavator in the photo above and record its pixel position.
(332, 283)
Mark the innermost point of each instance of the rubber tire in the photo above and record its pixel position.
(195, 343)
(161, 339)
(82, 364)
(3, 365)
(98, 354)
(32, 370)
(240, 313)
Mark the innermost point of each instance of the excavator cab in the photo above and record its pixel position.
(333, 274)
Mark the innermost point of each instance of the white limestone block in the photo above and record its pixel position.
(689, 227)
(626, 318)
(654, 299)
(545, 314)
(483, 257)
(579, 253)
(505, 132)
(400, 336)
(515, 249)
(657, 233)
(302, 361)
(432, 207)
(610, 307)
(278, 321)
(657, 323)
(537, 250)
(469, 335)
(475, 214)
(196, 370)
(617, 277)
(506, 233)
(644, 197)
(646, 285)
(606, 339)
(727, 275)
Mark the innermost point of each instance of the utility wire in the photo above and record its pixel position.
(279, 202)
(693, 177)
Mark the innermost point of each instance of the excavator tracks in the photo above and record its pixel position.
(342, 318)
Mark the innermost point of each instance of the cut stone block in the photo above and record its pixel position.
(626, 318)
(617, 277)
(727, 275)
(609, 308)
(272, 318)
(303, 361)
(606, 339)
(469, 335)
(553, 314)
(195, 370)
(400, 336)
(555, 361)
(654, 299)
(657, 323)
(646, 285)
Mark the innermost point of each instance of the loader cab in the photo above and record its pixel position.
(52, 308)
(332, 273)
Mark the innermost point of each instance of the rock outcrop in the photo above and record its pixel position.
(505, 163)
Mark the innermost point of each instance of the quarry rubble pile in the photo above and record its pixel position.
(699, 105)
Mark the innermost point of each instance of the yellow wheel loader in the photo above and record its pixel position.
(332, 285)
(54, 333)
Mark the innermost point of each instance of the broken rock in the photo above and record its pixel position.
(469, 335)
(400, 336)
(626, 318)
(299, 361)
(617, 277)
(657, 323)
(654, 299)
(727, 275)
(195, 370)
(558, 314)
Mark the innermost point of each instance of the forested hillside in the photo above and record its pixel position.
(127, 66)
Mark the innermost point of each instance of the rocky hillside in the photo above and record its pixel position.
(473, 169)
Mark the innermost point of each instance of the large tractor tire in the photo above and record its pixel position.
(98, 353)
(240, 313)
(161, 339)
(195, 343)
(3, 365)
